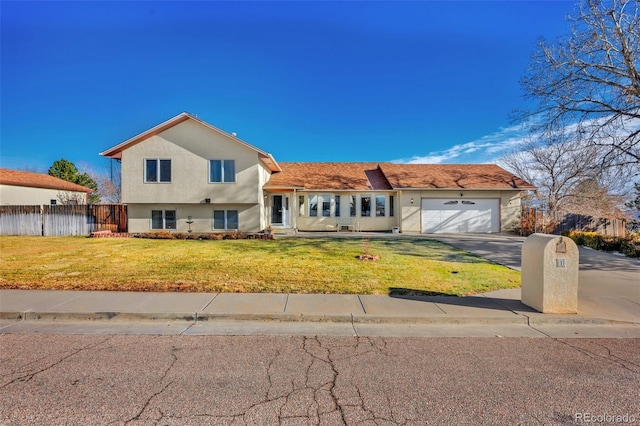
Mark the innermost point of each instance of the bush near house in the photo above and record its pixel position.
(629, 246)
(165, 235)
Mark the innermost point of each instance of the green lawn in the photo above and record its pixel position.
(294, 265)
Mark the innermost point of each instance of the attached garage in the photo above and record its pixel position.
(460, 216)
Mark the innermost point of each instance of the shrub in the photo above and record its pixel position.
(627, 246)
(157, 235)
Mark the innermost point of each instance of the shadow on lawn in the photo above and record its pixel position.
(409, 293)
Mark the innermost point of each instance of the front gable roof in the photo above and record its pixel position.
(116, 151)
(388, 176)
(329, 176)
(38, 180)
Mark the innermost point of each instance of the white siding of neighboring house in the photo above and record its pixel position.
(25, 195)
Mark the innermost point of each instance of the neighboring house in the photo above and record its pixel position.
(187, 174)
(27, 188)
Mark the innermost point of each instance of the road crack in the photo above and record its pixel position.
(610, 358)
(28, 376)
(164, 388)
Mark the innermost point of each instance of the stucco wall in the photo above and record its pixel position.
(201, 215)
(24, 195)
(509, 206)
(190, 146)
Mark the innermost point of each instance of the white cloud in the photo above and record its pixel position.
(484, 149)
(490, 148)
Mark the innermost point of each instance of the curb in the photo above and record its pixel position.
(316, 318)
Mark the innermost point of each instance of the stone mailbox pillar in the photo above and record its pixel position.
(550, 274)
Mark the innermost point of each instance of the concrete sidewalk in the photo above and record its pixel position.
(501, 307)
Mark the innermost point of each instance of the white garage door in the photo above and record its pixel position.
(458, 216)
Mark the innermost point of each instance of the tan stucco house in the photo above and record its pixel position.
(28, 188)
(187, 174)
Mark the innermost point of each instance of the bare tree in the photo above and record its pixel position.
(569, 175)
(591, 79)
(108, 182)
(71, 198)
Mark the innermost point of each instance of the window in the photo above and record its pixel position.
(222, 171)
(301, 205)
(468, 203)
(352, 205)
(313, 205)
(163, 219)
(326, 206)
(391, 206)
(365, 205)
(380, 202)
(157, 171)
(54, 202)
(337, 198)
(225, 219)
(450, 203)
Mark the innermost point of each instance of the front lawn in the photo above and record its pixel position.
(292, 265)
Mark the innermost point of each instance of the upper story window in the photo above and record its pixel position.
(157, 170)
(222, 171)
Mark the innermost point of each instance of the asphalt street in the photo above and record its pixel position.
(328, 380)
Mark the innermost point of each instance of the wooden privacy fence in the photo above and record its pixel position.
(61, 220)
(603, 226)
(533, 220)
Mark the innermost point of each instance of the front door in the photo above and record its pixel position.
(280, 210)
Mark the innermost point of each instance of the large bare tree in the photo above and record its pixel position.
(590, 79)
(569, 175)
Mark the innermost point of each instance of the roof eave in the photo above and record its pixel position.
(457, 188)
(116, 151)
(80, 188)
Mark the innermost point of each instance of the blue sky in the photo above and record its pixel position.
(305, 81)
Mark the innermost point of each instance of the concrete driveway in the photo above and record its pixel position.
(609, 284)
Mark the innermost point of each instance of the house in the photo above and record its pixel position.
(186, 174)
(28, 188)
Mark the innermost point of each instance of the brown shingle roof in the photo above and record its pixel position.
(325, 176)
(38, 180)
(387, 176)
(452, 176)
